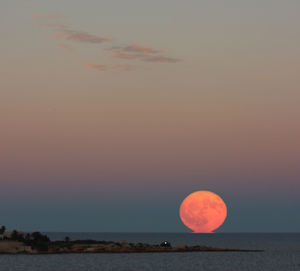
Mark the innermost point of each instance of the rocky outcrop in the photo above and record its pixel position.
(90, 246)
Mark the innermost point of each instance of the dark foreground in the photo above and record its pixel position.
(281, 252)
(91, 246)
(37, 243)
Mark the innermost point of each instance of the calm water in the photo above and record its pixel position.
(282, 252)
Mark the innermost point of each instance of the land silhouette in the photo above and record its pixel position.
(17, 242)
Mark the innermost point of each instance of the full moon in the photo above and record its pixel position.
(203, 211)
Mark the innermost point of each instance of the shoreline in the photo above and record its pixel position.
(16, 242)
(91, 246)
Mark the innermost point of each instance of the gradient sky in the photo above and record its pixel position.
(112, 112)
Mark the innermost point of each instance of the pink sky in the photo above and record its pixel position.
(137, 97)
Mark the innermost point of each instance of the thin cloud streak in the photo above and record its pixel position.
(63, 31)
(126, 56)
(162, 59)
(145, 57)
(142, 53)
(134, 48)
(79, 36)
(113, 67)
(130, 52)
(82, 36)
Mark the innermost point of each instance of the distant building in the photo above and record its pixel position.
(165, 244)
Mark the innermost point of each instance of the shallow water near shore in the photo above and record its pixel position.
(281, 252)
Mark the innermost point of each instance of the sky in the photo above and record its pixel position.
(112, 112)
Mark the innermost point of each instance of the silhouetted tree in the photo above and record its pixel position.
(20, 236)
(14, 235)
(2, 229)
(39, 241)
(27, 240)
(67, 239)
(37, 236)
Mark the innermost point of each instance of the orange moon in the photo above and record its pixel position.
(203, 211)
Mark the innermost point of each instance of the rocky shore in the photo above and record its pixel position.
(16, 242)
(91, 246)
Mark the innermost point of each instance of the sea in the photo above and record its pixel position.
(281, 252)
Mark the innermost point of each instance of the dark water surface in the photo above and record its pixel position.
(282, 252)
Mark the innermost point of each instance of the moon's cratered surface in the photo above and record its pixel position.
(203, 211)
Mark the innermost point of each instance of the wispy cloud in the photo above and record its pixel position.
(126, 56)
(134, 48)
(81, 36)
(143, 53)
(65, 46)
(113, 67)
(162, 59)
(146, 57)
(63, 31)
(128, 52)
